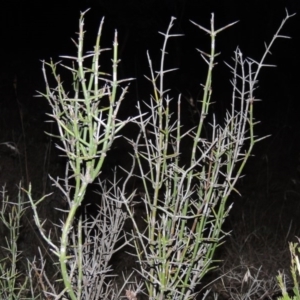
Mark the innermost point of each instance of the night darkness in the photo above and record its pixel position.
(31, 31)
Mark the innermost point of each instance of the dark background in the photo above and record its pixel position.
(35, 30)
(31, 31)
